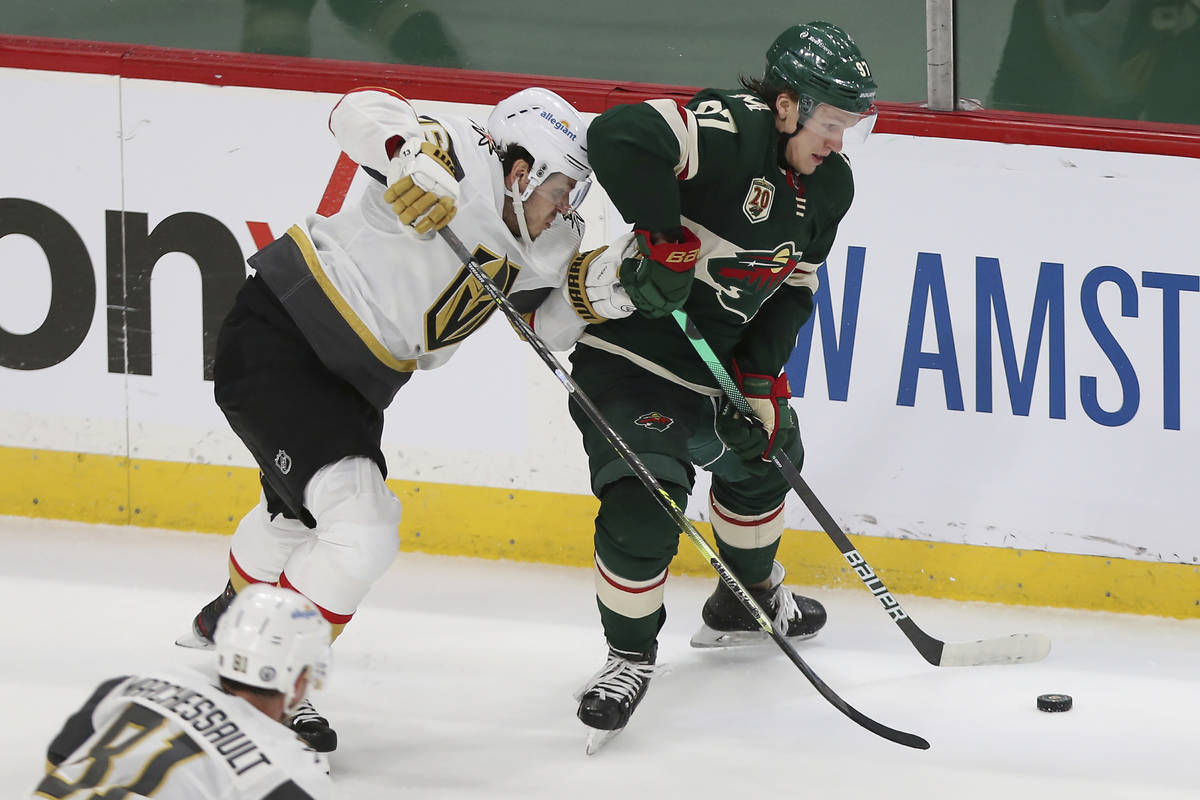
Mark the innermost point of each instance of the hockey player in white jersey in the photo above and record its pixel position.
(184, 734)
(343, 310)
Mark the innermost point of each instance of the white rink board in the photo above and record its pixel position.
(1067, 484)
(884, 462)
(61, 148)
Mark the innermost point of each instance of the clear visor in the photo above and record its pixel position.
(835, 123)
(565, 194)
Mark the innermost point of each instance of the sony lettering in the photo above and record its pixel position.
(133, 251)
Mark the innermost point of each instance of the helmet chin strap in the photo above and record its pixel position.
(519, 209)
(514, 193)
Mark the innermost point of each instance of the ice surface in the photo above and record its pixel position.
(455, 680)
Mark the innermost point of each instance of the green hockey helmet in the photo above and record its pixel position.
(819, 61)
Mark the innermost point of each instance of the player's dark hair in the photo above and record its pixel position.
(512, 154)
(765, 90)
(230, 685)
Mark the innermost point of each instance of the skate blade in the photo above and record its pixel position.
(597, 739)
(708, 637)
(194, 642)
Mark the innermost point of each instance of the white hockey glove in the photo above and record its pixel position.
(422, 189)
(592, 287)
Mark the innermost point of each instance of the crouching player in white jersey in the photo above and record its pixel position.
(344, 309)
(187, 735)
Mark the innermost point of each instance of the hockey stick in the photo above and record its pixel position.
(669, 505)
(1014, 649)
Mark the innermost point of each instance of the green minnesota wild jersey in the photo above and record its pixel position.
(713, 166)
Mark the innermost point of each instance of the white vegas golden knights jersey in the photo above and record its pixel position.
(177, 736)
(391, 302)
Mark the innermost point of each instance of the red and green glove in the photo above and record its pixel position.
(776, 427)
(658, 278)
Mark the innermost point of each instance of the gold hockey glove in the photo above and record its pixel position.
(422, 189)
(592, 287)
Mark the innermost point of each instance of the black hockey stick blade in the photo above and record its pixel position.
(877, 728)
(739, 591)
(1016, 649)
(585, 404)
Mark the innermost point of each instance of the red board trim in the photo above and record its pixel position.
(471, 86)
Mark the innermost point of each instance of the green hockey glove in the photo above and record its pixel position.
(743, 437)
(659, 277)
(776, 428)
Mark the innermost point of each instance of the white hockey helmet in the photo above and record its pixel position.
(268, 636)
(551, 130)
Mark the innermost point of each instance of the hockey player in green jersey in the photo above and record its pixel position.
(735, 198)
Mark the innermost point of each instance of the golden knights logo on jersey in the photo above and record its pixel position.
(485, 138)
(465, 304)
(745, 281)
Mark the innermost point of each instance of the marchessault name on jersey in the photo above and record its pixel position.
(204, 717)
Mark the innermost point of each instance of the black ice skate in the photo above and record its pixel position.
(201, 635)
(607, 700)
(313, 728)
(728, 624)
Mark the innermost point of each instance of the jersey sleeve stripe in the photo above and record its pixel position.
(804, 276)
(370, 123)
(682, 123)
(392, 92)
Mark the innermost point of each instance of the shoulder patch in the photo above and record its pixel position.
(757, 205)
(437, 135)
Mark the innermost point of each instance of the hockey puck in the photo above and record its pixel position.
(1054, 702)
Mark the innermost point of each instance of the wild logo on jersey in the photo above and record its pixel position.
(743, 282)
(465, 305)
(655, 421)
